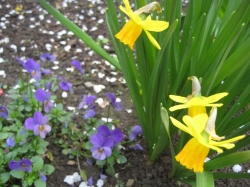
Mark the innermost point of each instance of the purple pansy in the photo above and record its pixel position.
(23, 165)
(90, 112)
(48, 85)
(78, 66)
(90, 181)
(115, 134)
(42, 176)
(45, 71)
(39, 124)
(47, 57)
(136, 130)
(117, 105)
(10, 142)
(86, 103)
(65, 86)
(101, 146)
(3, 112)
(136, 147)
(33, 68)
(44, 97)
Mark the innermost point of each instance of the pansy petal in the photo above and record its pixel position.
(103, 130)
(29, 123)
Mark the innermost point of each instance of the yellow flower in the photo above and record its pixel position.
(133, 28)
(204, 138)
(196, 103)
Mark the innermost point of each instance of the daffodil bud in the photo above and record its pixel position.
(210, 126)
(149, 8)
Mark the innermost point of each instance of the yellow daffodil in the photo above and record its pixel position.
(133, 28)
(196, 103)
(204, 138)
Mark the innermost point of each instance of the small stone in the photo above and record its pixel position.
(71, 162)
(130, 182)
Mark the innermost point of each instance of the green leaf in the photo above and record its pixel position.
(4, 177)
(39, 183)
(83, 174)
(37, 163)
(228, 160)
(17, 174)
(48, 169)
(101, 163)
(205, 179)
(88, 145)
(4, 135)
(121, 159)
(165, 119)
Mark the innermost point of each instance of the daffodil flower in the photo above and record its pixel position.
(201, 128)
(196, 103)
(133, 28)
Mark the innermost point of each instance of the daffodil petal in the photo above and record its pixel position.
(124, 10)
(219, 150)
(177, 98)
(200, 120)
(215, 97)
(180, 125)
(152, 40)
(126, 3)
(220, 143)
(154, 25)
(178, 107)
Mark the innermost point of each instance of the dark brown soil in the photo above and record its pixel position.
(21, 34)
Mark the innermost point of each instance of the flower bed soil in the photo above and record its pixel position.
(31, 34)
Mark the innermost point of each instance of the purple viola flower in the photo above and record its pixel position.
(48, 85)
(65, 86)
(45, 71)
(42, 176)
(90, 181)
(115, 134)
(117, 105)
(25, 98)
(78, 66)
(33, 68)
(23, 165)
(101, 146)
(10, 142)
(38, 124)
(90, 113)
(136, 147)
(86, 101)
(3, 112)
(21, 61)
(44, 97)
(47, 57)
(136, 130)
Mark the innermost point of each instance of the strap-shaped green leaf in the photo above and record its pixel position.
(229, 160)
(204, 179)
